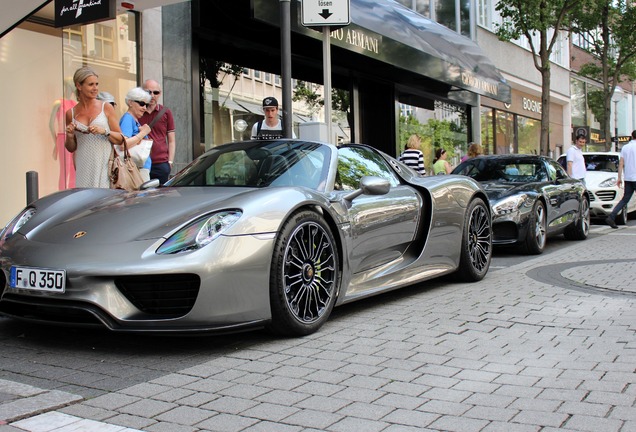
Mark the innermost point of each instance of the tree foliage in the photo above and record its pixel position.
(540, 22)
(609, 28)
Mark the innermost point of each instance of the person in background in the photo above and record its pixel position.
(575, 160)
(107, 97)
(626, 174)
(137, 99)
(91, 129)
(162, 133)
(474, 150)
(271, 127)
(440, 165)
(412, 156)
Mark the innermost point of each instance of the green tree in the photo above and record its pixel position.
(543, 18)
(609, 27)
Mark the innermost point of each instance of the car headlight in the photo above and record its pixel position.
(199, 233)
(610, 182)
(17, 223)
(510, 205)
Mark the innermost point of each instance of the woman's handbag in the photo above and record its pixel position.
(123, 171)
(139, 153)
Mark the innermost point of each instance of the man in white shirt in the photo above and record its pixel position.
(627, 163)
(575, 160)
(271, 127)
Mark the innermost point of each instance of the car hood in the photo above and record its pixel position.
(497, 190)
(107, 216)
(594, 178)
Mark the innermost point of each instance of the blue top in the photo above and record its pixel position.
(130, 127)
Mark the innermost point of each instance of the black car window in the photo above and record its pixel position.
(357, 162)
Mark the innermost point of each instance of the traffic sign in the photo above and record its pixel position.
(325, 12)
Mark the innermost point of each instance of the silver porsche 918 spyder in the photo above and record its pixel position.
(251, 234)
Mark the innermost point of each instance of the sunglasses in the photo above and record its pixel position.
(141, 103)
(154, 92)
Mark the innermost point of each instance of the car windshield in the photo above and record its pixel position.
(506, 170)
(601, 162)
(259, 164)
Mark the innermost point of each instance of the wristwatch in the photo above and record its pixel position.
(170, 162)
(107, 133)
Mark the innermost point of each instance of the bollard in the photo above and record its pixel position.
(32, 191)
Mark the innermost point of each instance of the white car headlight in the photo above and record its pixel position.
(17, 223)
(200, 232)
(510, 205)
(610, 182)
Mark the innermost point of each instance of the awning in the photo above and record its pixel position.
(394, 34)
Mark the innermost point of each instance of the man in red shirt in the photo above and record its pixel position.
(162, 133)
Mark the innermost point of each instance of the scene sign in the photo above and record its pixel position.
(317, 13)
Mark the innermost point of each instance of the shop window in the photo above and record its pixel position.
(504, 132)
(487, 130)
(529, 135)
(439, 124)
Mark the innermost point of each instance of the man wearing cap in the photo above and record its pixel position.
(271, 127)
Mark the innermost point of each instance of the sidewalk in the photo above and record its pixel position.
(546, 345)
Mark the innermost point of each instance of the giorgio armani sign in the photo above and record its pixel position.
(73, 12)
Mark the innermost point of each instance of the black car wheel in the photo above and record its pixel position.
(537, 231)
(304, 275)
(621, 218)
(581, 228)
(476, 245)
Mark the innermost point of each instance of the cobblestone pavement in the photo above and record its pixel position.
(545, 345)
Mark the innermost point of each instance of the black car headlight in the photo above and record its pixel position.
(510, 204)
(17, 223)
(200, 232)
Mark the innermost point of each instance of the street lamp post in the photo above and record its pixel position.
(616, 98)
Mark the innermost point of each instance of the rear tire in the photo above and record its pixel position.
(304, 277)
(537, 231)
(476, 247)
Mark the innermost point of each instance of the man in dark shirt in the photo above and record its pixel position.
(162, 133)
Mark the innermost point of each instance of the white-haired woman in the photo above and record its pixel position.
(136, 99)
(91, 127)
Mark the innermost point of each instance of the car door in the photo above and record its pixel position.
(564, 194)
(381, 226)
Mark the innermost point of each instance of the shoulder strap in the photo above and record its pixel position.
(156, 119)
(258, 127)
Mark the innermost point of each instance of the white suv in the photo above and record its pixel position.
(600, 180)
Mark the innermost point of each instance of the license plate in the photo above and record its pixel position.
(38, 279)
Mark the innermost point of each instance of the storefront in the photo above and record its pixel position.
(394, 71)
(515, 127)
(37, 62)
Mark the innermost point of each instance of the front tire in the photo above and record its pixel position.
(621, 218)
(476, 248)
(304, 275)
(537, 231)
(581, 228)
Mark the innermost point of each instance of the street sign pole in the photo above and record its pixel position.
(325, 14)
(286, 76)
(326, 58)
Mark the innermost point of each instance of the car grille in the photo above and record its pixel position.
(606, 195)
(168, 296)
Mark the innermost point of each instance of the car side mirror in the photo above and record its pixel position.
(149, 184)
(370, 185)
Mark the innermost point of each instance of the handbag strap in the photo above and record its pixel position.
(156, 119)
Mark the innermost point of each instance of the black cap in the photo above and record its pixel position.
(270, 102)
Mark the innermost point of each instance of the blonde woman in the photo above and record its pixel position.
(91, 129)
(412, 156)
